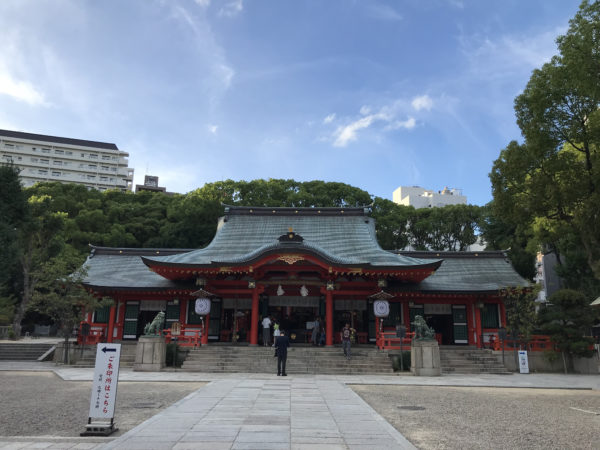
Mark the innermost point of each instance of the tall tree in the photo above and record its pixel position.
(550, 182)
(567, 320)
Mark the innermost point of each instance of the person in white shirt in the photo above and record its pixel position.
(266, 323)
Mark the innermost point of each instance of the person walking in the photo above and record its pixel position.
(281, 346)
(316, 332)
(276, 332)
(347, 333)
(266, 323)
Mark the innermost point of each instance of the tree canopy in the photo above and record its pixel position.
(546, 188)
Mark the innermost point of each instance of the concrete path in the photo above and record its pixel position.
(245, 411)
(281, 413)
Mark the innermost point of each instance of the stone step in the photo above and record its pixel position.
(22, 352)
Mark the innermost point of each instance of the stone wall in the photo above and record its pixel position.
(538, 362)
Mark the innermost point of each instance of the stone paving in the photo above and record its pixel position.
(246, 411)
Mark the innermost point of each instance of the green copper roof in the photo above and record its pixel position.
(340, 236)
(467, 272)
(123, 268)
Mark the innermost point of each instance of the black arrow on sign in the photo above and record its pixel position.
(106, 349)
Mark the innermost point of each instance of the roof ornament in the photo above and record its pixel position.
(303, 291)
(280, 291)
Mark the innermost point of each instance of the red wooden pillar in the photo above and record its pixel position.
(204, 339)
(328, 318)
(121, 318)
(377, 330)
(111, 323)
(470, 325)
(183, 311)
(254, 319)
(502, 314)
(478, 329)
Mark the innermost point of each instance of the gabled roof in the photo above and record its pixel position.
(467, 272)
(340, 236)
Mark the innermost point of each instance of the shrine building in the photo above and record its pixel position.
(296, 264)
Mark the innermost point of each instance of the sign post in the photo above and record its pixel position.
(104, 391)
(523, 362)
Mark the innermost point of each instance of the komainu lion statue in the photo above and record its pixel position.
(155, 327)
(422, 330)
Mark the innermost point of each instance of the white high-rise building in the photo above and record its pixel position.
(423, 198)
(97, 165)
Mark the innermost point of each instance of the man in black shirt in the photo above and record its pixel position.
(281, 345)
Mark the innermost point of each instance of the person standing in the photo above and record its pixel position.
(316, 331)
(266, 323)
(347, 340)
(281, 346)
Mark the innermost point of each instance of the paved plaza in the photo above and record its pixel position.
(263, 411)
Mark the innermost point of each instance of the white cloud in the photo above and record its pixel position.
(232, 8)
(422, 102)
(408, 124)
(347, 134)
(203, 3)
(330, 118)
(364, 110)
(383, 12)
(20, 90)
(213, 128)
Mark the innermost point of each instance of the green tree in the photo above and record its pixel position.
(39, 240)
(13, 212)
(550, 182)
(567, 320)
(392, 222)
(59, 293)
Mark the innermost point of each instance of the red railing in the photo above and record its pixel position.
(387, 340)
(189, 336)
(96, 334)
(536, 343)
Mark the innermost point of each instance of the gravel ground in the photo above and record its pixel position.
(42, 404)
(478, 418)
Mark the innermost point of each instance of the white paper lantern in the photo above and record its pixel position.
(381, 308)
(202, 306)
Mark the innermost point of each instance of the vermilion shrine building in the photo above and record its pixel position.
(295, 264)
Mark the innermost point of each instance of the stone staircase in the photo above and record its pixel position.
(89, 356)
(301, 360)
(23, 352)
(469, 360)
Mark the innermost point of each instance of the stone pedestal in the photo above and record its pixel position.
(150, 354)
(425, 358)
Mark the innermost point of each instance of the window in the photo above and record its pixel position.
(9, 145)
(83, 155)
(91, 177)
(45, 150)
(105, 168)
(92, 166)
(7, 158)
(42, 172)
(489, 315)
(58, 163)
(59, 152)
(93, 156)
(105, 158)
(19, 147)
(101, 315)
(44, 161)
(103, 178)
(55, 174)
(69, 153)
(34, 149)
(113, 169)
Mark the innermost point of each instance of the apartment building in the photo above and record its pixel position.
(424, 198)
(97, 165)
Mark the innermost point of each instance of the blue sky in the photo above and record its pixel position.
(376, 94)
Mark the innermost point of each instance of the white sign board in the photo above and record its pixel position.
(202, 306)
(106, 377)
(523, 362)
